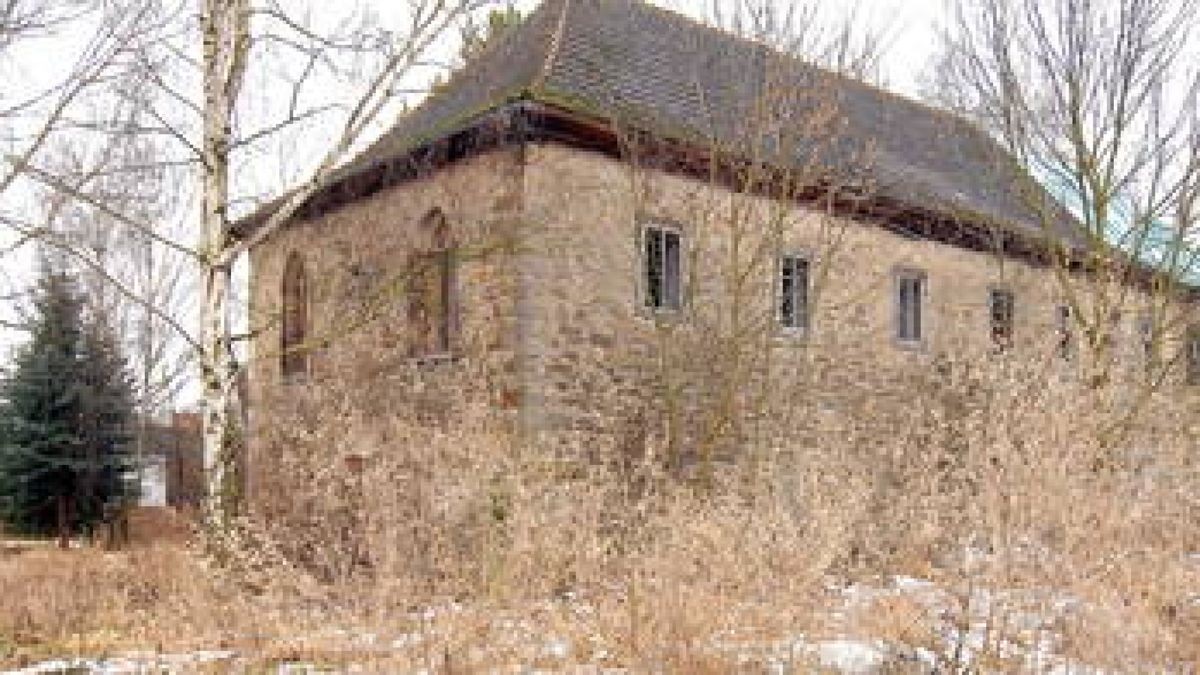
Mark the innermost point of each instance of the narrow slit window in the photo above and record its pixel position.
(1148, 341)
(663, 271)
(1193, 355)
(431, 302)
(1002, 308)
(910, 291)
(294, 329)
(793, 293)
(1066, 332)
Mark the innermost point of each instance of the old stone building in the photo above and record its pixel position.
(618, 222)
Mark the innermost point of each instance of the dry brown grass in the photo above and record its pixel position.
(464, 548)
(160, 594)
(84, 601)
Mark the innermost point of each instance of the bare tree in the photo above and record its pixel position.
(32, 110)
(220, 91)
(1097, 100)
(126, 171)
(86, 39)
(844, 41)
(727, 375)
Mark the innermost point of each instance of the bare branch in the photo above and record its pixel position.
(425, 29)
(88, 260)
(58, 184)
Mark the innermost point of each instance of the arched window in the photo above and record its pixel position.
(431, 297)
(294, 331)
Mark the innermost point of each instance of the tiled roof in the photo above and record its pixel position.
(660, 71)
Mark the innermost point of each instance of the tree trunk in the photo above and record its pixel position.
(64, 522)
(225, 25)
(219, 372)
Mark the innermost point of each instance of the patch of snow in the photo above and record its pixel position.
(407, 640)
(298, 669)
(1074, 669)
(1015, 624)
(558, 649)
(129, 664)
(850, 657)
(904, 583)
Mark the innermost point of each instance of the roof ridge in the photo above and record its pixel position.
(470, 67)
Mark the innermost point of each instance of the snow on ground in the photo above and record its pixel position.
(128, 664)
(960, 626)
(962, 632)
(1018, 626)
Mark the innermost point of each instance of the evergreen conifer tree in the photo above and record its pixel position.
(106, 426)
(64, 420)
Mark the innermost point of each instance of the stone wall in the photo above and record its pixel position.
(358, 260)
(553, 331)
(598, 351)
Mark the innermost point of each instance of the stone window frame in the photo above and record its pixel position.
(805, 329)
(438, 246)
(295, 358)
(644, 308)
(902, 274)
(1008, 342)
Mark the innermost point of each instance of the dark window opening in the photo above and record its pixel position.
(1002, 309)
(910, 289)
(294, 349)
(431, 293)
(793, 292)
(1066, 332)
(663, 270)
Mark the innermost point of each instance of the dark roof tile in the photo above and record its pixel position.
(626, 60)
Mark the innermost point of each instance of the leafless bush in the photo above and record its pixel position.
(1001, 485)
(422, 512)
(1007, 487)
(1034, 538)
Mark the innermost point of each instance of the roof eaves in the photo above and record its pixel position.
(448, 126)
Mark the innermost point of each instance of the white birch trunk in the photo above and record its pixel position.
(225, 26)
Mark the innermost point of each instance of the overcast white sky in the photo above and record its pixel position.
(911, 25)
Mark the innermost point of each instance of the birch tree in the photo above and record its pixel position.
(227, 48)
(222, 87)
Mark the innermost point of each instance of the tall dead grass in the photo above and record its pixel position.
(1047, 539)
(1050, 529)
(462, 513)
(1053, 527)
